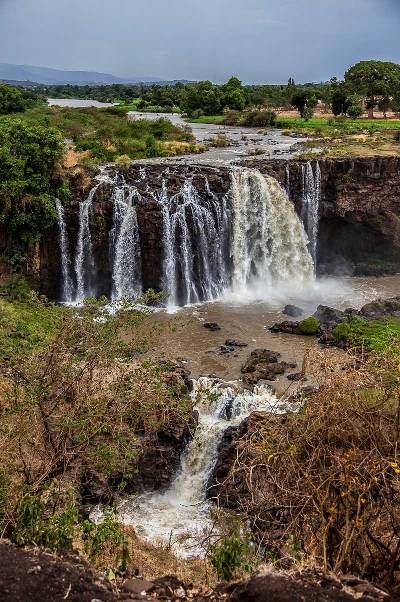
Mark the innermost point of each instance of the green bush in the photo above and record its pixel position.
(28, 155)
(355, 111)
(229, 555)
(99, 537)
(309, 326)
(55, 532)
(11, 100)
(260, 119)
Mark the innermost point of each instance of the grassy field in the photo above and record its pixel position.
(208, 119)
(320, 122)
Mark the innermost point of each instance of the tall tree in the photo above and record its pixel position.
(373, 78)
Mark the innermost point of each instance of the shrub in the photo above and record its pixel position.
(309, 326)
(260, 119)
(197, 114)
(34, 527)
(327, 478)
(151, 149)
(11, 100)
(355, 111)
(229, 555)
(105, 536)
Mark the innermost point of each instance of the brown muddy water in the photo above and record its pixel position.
(186, 339)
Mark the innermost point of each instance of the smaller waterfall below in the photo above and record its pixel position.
(181, 515)
(311, 205)
(84, 260)
(125, 245)
(67, 287)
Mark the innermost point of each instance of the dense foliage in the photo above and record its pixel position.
(28, 155)
(76, 399)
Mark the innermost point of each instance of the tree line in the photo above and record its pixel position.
(368, 85)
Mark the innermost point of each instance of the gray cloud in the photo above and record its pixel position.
(260, 40)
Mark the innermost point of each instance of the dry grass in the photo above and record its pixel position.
(323, 483)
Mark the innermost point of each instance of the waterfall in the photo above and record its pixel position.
(311, 204)
(84, 260)
(67, 289)
(181, 515)
(269, 241)
(195, 234)
(125, 245)
(247, 239)
(287, 179)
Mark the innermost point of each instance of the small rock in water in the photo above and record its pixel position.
(293, 311)
(235, 343)
(224, 349)
(213, 326)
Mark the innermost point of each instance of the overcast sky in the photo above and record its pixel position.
(258, 40)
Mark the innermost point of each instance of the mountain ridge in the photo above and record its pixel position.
(50, 76)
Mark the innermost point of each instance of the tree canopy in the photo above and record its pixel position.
(11, 100)
(373, 78)
(28, 154)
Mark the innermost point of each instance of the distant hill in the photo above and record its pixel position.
(44, 75)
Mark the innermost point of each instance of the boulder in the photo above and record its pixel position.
(260, 356)
(213, 326)
(263, 364)
(329, 316)
(293, 311)
(381, 308)
(287, 326)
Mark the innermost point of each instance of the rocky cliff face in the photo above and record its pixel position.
(359, 229)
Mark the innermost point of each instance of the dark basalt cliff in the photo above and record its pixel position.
(359, 231)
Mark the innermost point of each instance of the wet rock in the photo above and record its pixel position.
(266, 372)
(286, 326)
(293, 311)
(213, 326)
(260, 356)
(263, 364)
(225, 349)
(329, 316)
(235, 343)
(380, 308)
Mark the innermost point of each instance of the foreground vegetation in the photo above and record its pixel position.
(78, 403)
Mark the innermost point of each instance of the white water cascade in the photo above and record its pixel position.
(269, 242)
(125, 245)
(311, 204)
(84, 260)
(67, 287)
(195, 234)
(246, 242)
(181, 515)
